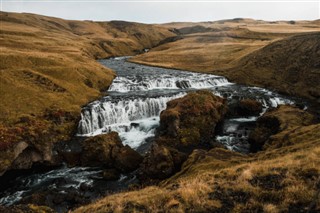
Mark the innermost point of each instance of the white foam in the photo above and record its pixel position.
(102, 115)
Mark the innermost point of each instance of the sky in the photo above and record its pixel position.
(163, 11)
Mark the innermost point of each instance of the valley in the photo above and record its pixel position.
(121, 116)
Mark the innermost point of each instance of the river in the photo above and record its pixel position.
(132, 107)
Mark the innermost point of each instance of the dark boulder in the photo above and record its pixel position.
(108, 151)
(127, 159)
(161, 162)
(111, 174)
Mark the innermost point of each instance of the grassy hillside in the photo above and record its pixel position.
(49, 70)
(49, 62)
(290, 65)
(246, 51)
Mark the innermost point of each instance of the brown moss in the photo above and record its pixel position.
(191, 120)
(282, 124)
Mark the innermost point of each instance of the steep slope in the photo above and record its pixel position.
(290, 65)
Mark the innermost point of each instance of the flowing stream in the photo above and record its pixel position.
(132, 108)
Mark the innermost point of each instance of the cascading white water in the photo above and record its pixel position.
(136, 98)
(195, 81)
(136, 116)
(110, 115)
(140, 93)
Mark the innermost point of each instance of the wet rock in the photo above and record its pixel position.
(71, 158)
(30, 140)
(97, 150)
(111, 174)
(85, 187)
(266, 126)
(159, 163)
(9, 155)
(26, 159)
(127, 159)
(245, 107)
(107, 150)
(135, 125)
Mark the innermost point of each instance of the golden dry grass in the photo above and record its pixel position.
(282, 178)
(48, 62)
(278, 184)
(246, 51)
(204, 52)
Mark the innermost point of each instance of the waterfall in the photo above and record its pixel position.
(194, 81)
(139, 93)
(104, 114)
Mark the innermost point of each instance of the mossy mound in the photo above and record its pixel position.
(191, 120)
(284, 120)
(107, 150)
(187, 123)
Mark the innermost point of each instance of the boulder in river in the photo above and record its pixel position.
(187, 123)
(191, 120)
(161, 162)
(107, 150)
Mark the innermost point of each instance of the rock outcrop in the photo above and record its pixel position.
(108, 151)
(283, 120)
(187, 123)
(191, 120)
(32, 138)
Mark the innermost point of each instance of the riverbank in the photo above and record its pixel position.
(144, 91)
